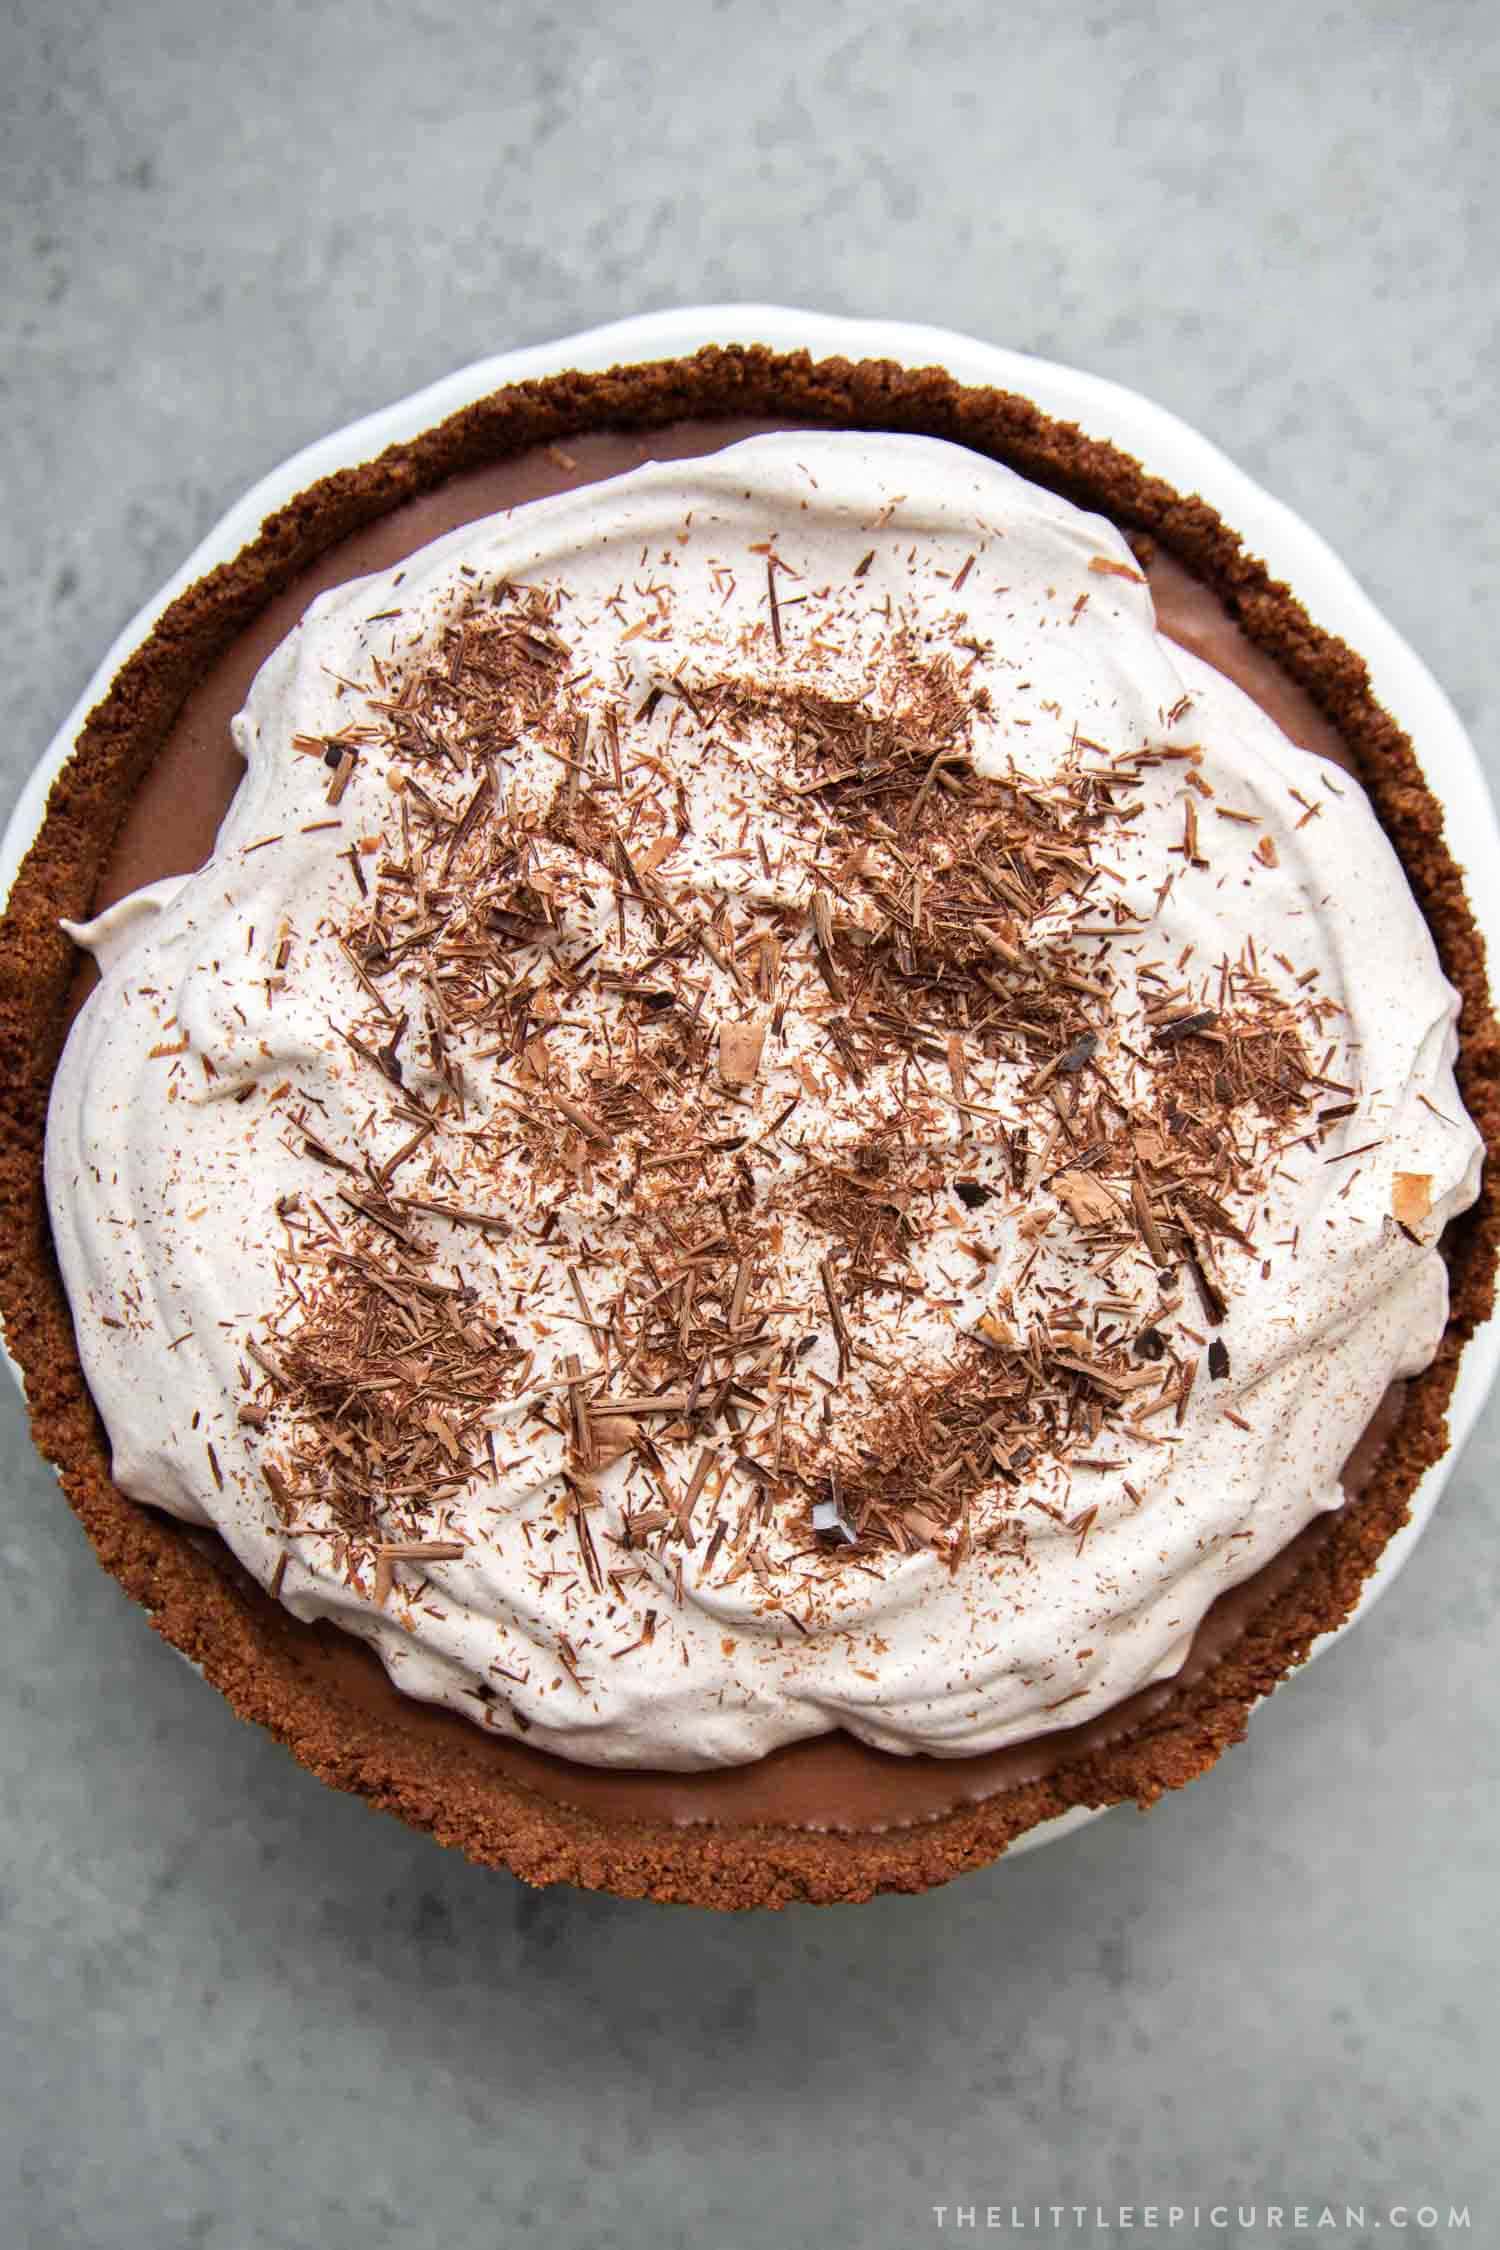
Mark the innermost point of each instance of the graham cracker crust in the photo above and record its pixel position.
(432, 1769)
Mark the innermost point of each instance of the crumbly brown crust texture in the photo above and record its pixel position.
(438, 1772)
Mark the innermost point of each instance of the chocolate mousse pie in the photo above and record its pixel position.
(745, 1115)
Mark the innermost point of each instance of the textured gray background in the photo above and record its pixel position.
(247, 2012)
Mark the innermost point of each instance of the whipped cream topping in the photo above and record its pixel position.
(771, 1114)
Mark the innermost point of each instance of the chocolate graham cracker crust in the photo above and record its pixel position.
(325, 1696)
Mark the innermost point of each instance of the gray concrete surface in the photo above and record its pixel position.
(244, 2012)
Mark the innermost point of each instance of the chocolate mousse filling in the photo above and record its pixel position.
(144, 796)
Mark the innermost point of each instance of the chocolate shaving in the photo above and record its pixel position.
(831, 1526)
(1079, 1055)
(775, 604)
(1185, 1027)
(343, 774)
(740, 1046)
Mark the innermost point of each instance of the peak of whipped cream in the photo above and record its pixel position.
(771, 1114)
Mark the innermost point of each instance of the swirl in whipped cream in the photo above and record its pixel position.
(771, 1114)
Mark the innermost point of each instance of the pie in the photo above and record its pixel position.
(769, 1161)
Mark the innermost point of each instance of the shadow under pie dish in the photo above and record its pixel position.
(731, 1129)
